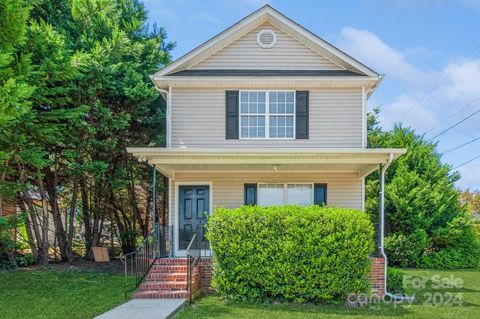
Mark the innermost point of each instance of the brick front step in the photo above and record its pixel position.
(158, 294)
(171, 261)
(171, 277)
(168, 269)
(162, 285)
(167, 278)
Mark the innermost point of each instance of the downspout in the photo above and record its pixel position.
(167, 97)
(383, 169)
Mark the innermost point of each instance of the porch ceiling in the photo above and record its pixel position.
(360, 161)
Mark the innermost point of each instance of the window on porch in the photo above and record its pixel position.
(285, 194)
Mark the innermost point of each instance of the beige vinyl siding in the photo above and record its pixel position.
(286, 54)
(343, 189)
(198, 120)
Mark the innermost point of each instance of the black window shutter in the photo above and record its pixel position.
(320, 194)
(250, 197)
(231, 114)
(301, 119)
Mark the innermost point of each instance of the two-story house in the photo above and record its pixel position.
(264, 113)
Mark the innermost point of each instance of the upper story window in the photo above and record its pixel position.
(267, 114)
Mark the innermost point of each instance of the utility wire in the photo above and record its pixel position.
(443, 78)
(454, 125)
(461, 145)
(471, 160)
(446, 119)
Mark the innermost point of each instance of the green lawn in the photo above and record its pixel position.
(58, 293)
(215, 307)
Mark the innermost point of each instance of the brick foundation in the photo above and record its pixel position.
(377, 275)
(205, 266)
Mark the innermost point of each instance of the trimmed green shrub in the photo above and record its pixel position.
(459, 246)
(395, 280)
(290, 253)
(406, 250)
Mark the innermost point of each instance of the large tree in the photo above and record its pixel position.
(426, 224)
(64, 158)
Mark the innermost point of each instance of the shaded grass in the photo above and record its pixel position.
(214, 307)
(58, 294)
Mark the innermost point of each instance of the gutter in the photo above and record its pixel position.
(167, 97)
(383, 169)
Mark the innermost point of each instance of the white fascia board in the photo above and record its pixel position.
(259, 151)
(251, 81)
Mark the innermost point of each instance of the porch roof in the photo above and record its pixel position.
(356, 160)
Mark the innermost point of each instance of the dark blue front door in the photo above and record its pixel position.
(194, 203)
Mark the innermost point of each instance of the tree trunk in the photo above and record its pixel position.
(28, 226)
(60, 233)
(86, 217)
(44, 245)
(71, 218)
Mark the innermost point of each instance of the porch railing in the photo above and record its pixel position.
(194, 254)
(138, 263)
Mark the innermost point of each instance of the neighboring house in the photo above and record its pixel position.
(7, 207)
(264, 113)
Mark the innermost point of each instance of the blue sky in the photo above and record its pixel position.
(429, 52)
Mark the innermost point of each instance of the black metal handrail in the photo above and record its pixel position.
(138, 263)
(194, 253)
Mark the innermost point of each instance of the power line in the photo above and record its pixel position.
(443, 78)
(446, 119)
(461, 145)
(471, 160)
(456, 124)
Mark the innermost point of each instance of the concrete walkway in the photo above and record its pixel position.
(145, 309)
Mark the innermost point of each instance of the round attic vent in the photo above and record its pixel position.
(266, 38)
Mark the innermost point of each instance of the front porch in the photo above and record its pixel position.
(201, 179)
(220, 175)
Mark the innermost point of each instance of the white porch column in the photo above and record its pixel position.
(170, 219)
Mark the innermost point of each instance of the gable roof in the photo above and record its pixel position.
(254, 20)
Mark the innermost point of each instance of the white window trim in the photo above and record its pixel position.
(285, 189)
(267, 115)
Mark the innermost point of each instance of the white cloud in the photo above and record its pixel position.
(435, 94)
(368, 48)
(463, 78)
(390, 112)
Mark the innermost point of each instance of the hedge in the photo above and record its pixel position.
(395, 280)
(290, 253)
